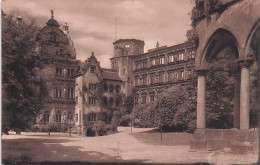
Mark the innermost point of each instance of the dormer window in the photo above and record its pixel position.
(92, 69)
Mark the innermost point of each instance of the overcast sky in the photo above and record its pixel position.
(92, 22)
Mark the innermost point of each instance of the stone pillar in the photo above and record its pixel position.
(244, 96)
(236, 101)
(201, 99)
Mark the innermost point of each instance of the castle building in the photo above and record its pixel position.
(145, 74)
(59, 63)
(124, 50)
(97, 94)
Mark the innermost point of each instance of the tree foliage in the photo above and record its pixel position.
(220, 91)
(21, 83)
(174, 110)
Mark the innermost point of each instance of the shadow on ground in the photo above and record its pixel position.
(50, 151)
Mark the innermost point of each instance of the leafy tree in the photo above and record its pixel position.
(220, 91)
(21, 84)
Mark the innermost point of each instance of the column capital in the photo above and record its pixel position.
(201, 72)
(245, 63)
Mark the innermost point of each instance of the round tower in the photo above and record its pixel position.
(122, 61)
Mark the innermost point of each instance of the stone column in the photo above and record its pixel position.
(201, 99)
(244, 95)
(236, 101)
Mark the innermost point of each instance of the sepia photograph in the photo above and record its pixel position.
(130, 82)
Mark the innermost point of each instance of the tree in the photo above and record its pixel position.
(21, 84)
(220, 91)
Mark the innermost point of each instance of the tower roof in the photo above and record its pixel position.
(52, 21)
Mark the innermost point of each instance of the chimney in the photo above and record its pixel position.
(66, 29)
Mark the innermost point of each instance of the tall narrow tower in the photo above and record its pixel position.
(124, 49)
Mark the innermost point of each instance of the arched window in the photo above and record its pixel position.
(58, 117)
(111, 88)
(46, 117)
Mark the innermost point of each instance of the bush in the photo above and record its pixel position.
(126, 120)
(116, 118)
(110, 128)
(35, 128)
(99, 128)
(53, 127)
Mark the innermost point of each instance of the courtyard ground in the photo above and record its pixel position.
(141, 146)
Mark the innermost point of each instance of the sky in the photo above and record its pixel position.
(92, 23)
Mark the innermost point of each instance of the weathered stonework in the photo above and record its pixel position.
(59, 62)
(97, 94)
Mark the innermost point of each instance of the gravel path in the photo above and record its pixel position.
(127, 147)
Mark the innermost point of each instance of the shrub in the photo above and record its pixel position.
(99, 128)
(110, 128)
(116, 118)
(126, 120)
(53, 127)
(35, 128)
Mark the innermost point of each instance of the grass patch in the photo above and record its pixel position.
(168, 138)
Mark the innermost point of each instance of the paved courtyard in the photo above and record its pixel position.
(126, 148)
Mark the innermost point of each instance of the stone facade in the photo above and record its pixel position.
(97, 93)
(124, 50)
(59, 64)
(145, 74)
(160, 68)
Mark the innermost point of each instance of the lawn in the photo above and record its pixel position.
(169, 138)
(49, 151)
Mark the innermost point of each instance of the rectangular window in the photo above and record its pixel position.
(92, 86)
(124, 71)
(171, 76)
(170, 58)
(144, 64)
(153, 78)
(77, 117)
(161, 60)
(180, 56)
(153, 62)
(70, 72)
(161, 77)
(92, 100)
(182, 75)
(92, 117)
(145, 80)
(58, 92)
(151, 97)
(58, 71)
(176, 76)
(70, 92)
(190, 73)
(192, 54)
(92, 69)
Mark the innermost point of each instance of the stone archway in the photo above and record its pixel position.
(243, 140)
(218, 41)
